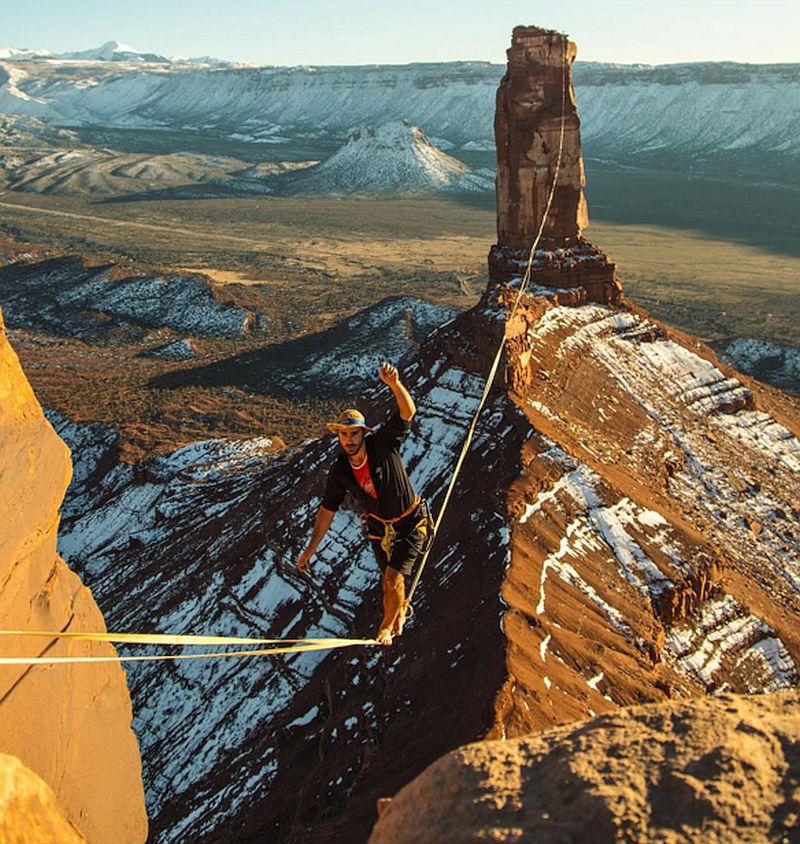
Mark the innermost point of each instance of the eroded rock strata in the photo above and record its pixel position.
(600, 551)
(68, 724)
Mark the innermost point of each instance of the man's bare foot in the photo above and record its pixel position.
(384, 637)
(399, 623)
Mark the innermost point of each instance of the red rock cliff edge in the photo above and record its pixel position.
(70, 724)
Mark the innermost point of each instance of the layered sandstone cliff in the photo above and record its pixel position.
(533, 99)
(68, 724)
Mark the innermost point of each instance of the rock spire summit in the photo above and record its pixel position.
(536, 88)
(535, 94)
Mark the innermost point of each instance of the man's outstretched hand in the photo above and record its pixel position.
(405, 404)
(304, 560)
(389, 374)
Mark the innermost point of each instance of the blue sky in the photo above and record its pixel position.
(359, 32)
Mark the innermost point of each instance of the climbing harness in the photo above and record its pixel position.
(389, 534)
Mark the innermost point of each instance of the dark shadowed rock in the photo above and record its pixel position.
(65, 297)
(340, 361)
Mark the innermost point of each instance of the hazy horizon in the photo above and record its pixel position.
(354, 32)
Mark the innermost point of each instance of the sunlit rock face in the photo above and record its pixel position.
(29, 812)
(535, 101)
(731, 776)
(536, 89)
(71, 725)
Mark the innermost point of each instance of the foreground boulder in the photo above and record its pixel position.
(713, 769)
(29, 812)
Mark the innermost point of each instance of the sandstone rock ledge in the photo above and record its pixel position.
(29, 813)
(718, 769)
(70, 724)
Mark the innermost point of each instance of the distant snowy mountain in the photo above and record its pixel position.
(723, 119)
(397, 157)
(111, 51)
(14, 54)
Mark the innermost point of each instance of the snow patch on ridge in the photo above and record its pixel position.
(725, 632)
(709, 422)
(597, 525)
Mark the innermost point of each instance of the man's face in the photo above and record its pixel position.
(351, 439)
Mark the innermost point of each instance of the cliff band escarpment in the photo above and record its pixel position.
(68, 724)
(535, 105)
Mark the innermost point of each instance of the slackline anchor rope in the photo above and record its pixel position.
(493, 370)
(278, 646)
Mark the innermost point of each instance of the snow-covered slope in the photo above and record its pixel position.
(64, 297)
(396, 157)
(341, 361)
(627, 113)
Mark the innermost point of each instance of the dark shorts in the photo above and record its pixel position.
(407, 546)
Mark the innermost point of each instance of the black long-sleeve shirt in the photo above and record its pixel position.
(389, 476)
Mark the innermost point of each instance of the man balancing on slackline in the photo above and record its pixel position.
(370, 469)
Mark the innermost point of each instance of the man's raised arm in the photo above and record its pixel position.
(405, 404)
(321, 525)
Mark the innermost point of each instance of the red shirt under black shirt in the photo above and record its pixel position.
(389, 476)
(363, 478)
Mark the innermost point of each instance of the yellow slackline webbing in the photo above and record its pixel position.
(493, 371)
(284, 646)
(166, 638)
